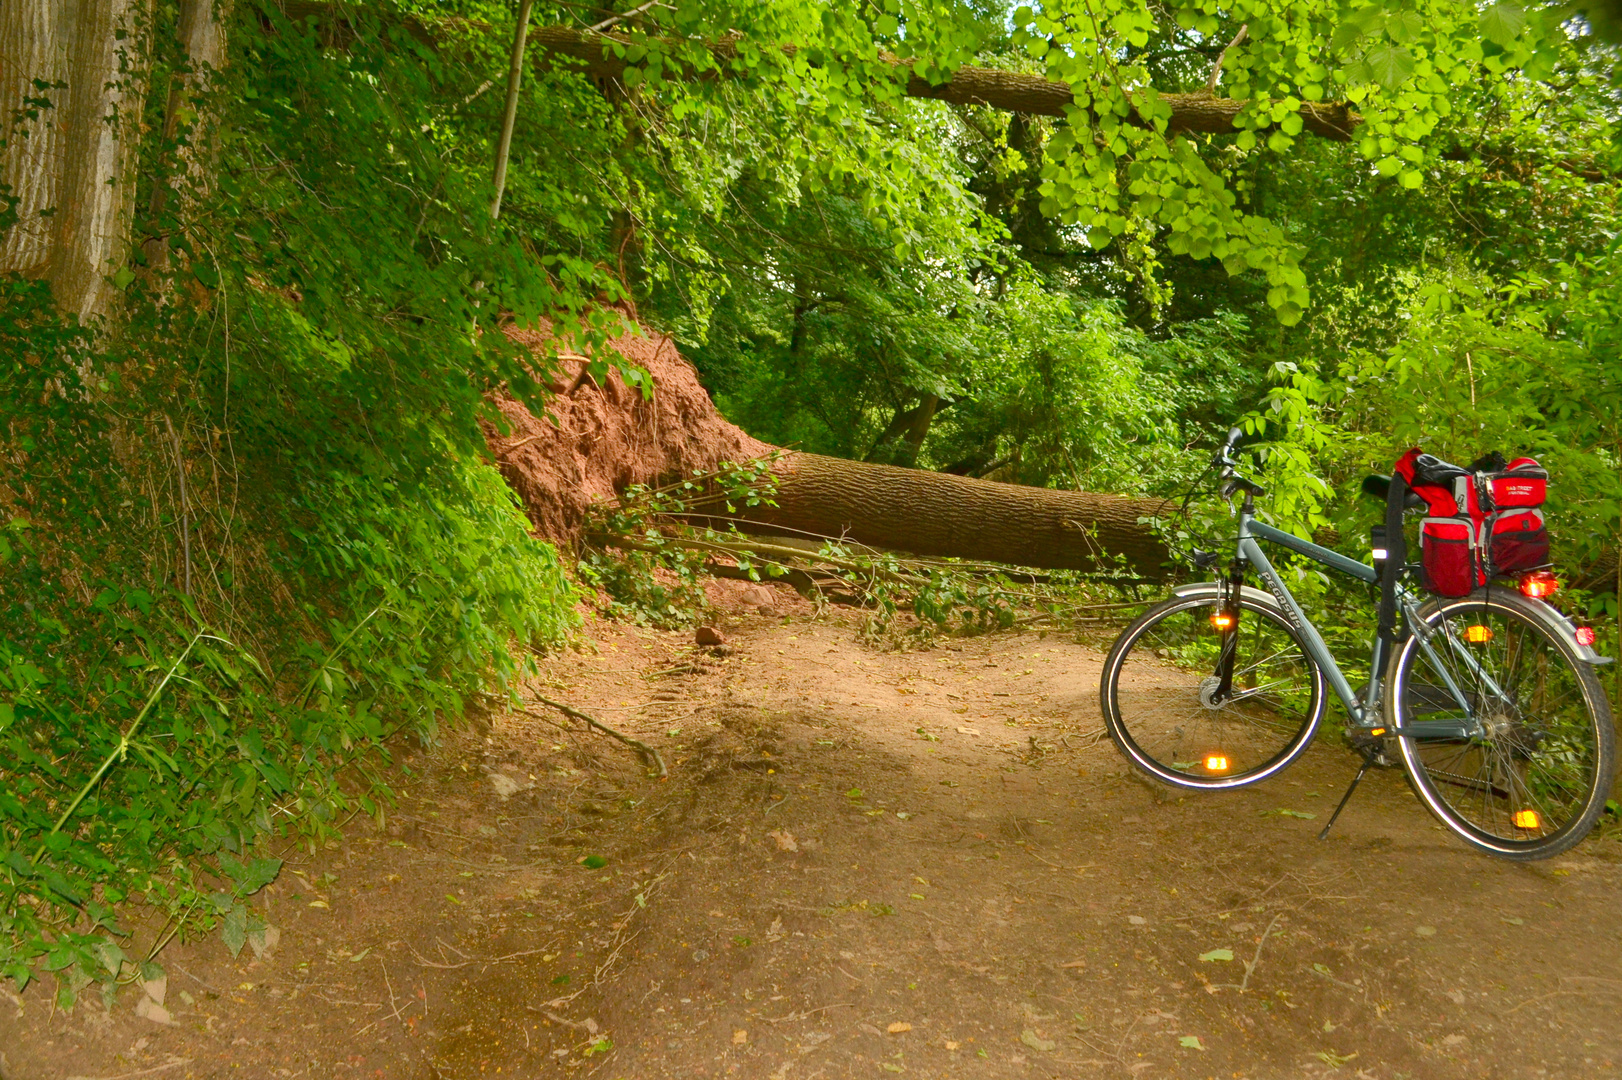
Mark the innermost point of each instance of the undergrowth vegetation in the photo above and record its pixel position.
(251, 537)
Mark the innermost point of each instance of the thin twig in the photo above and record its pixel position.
(806, 1013)
(123, 746)
(422, 962)
(1251, 967)
(510, 113)
(612, 19)
(1216, 68)
(648, 752)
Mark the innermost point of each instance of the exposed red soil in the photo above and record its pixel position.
(596, 440)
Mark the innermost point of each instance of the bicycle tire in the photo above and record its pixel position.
(1162, 720)
(1532, 779)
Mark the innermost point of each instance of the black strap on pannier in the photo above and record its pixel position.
(1396, 556)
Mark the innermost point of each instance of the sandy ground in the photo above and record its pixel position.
(868, 863)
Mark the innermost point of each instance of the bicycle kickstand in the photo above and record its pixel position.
(1368, 763)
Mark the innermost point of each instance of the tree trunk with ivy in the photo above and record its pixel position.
(68, 165)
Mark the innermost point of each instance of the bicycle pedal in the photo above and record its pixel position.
(1378, 749)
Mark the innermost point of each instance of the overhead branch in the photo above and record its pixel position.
(993, 88)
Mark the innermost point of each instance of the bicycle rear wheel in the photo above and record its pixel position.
(1157, 695)
(1508, 734)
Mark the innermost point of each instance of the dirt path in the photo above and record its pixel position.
(872, 863)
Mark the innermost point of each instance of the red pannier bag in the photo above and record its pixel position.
(1484, 521)
(1513, 534)
(1448, 556)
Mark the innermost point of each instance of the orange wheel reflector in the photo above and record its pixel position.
(1527, 819)
(1222, 620)
(1216, 763)
(1478, 634)
(1538, 584)
(1377, 731)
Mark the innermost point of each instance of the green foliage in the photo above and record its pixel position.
(251, 536)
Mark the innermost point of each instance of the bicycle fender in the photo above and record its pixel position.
(1212, 590)
(1551, 617)
(1561, 624)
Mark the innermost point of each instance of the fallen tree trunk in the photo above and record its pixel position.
(932, 513)
(598, 439)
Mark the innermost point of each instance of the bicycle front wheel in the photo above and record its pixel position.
(1158, 695)
(1507, 734)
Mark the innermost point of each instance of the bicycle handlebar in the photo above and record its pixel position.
(1232, 481)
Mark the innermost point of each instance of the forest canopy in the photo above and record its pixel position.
(254, 300)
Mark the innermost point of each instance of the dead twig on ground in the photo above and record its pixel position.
(806, 1013)
(1250, 968)
(648, 753)
(424, 962)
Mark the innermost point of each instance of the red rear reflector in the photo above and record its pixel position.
(1538, 584)
(1585, 635)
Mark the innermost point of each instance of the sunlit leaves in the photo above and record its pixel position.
(1502, 22)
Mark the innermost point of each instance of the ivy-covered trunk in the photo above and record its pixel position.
(69, 162)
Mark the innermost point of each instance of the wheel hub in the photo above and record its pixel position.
(1208, 693)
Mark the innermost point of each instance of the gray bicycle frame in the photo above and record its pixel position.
(1365, 713)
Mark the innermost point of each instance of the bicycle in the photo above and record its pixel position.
(1489, 701)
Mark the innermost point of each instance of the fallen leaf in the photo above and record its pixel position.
(156, 989)
(898, 1027)
(147, 1009)
(1425, 931)
(1036, 1042)
(1515, 921)
(358, 957)
(1217, 954)
(1334, 1060)
(505, 785)
(785, 840)
(1074, 964)
(950, 1045)
(1192, 1042)
(318, 903)
(1282, 812)
(264, 941)
(593, 862)
(1136, 920)
(967, 731)
(740, 1037)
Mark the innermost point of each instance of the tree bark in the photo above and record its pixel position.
(1010, 91)
(931, 513)
(70, 168)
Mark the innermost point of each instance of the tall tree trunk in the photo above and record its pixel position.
(201, 34)
(70, 168)
(931, 513)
